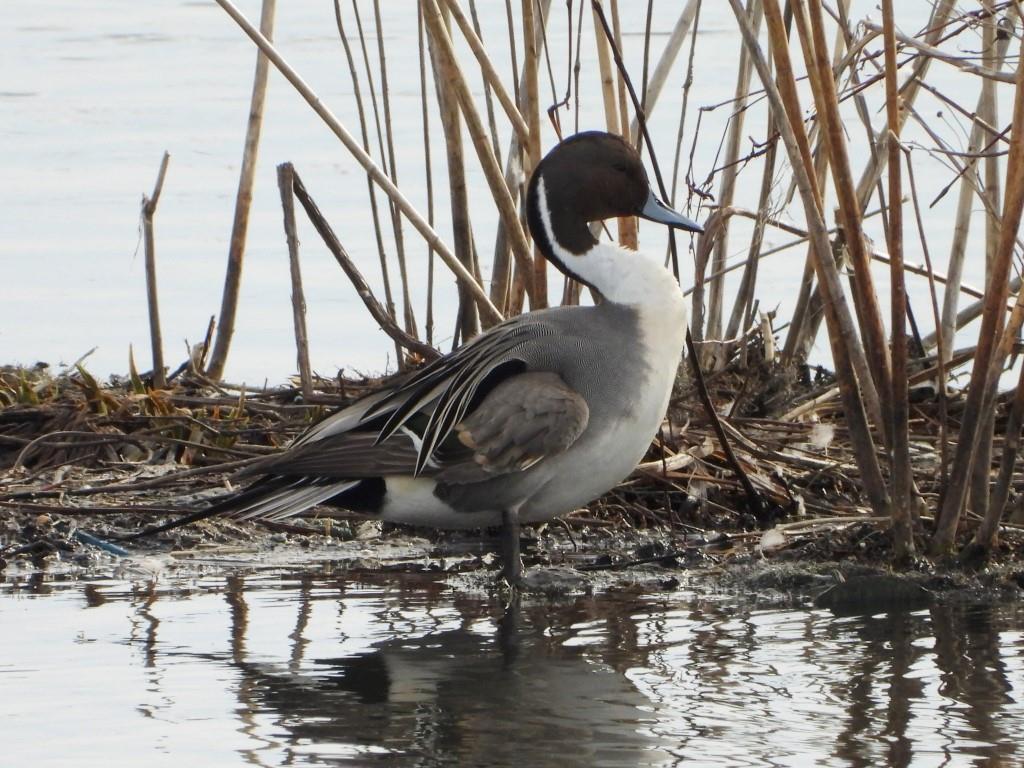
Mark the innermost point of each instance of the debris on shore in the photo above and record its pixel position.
(85, 465)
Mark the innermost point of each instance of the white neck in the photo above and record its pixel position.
(622, 276)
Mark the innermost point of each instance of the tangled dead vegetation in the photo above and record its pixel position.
(84, 463)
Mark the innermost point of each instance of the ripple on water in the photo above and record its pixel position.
(315, 668)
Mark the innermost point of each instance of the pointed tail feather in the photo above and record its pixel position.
(275, 498)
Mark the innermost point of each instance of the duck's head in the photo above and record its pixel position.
(589, 177)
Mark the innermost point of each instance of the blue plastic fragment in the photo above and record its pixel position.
(106, 546)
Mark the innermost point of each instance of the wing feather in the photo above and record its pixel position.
(445, 389)
(527, 418)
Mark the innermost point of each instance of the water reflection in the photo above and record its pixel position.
(491, 690)
(318, 668)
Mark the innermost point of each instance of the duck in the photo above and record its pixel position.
(535, 417)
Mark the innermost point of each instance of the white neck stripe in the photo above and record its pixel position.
(622, 276)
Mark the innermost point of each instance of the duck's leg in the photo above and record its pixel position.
(512, 562)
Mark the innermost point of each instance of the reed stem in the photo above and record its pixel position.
(152, 294)
(902, 474)
(243, 201)
(285, 182)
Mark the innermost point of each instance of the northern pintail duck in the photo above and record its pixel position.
(532, 419)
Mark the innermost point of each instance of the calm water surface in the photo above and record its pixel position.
(319, 668)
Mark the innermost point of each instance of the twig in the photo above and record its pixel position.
(664, 66)
(537, 281)
(492, 172)
(727, 189)
(467, 320)
(396, 219)
(379, 313)
(428, 171)
(931, 52)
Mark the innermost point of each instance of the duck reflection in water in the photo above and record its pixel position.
(399, 669)
(460, 697)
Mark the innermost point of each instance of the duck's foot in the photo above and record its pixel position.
(512, 561)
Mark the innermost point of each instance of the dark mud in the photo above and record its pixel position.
(841, 567)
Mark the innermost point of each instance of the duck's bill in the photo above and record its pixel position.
(655, 210)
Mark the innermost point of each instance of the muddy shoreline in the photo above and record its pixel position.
(563, 560)
(84, 465)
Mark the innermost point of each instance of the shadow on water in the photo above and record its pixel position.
(319, 669)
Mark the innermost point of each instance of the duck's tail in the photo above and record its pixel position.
(272, 498)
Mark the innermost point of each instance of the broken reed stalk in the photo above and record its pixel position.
(371, 190)
(152, 294)
(611, 103)
(380, 178)
(808, 313)
(377, 310)
(782, 95)
(243, 201)
(507, 209)
(684, 107)
(285, 183)
(744, 299)
(989, 359)
(492, 123)
(656, 167)
(627, 225)
(902, 474)
(508, 287)
(604, 66)
(908, 95)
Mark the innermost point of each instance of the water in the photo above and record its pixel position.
(94, 92)
(278, 667)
